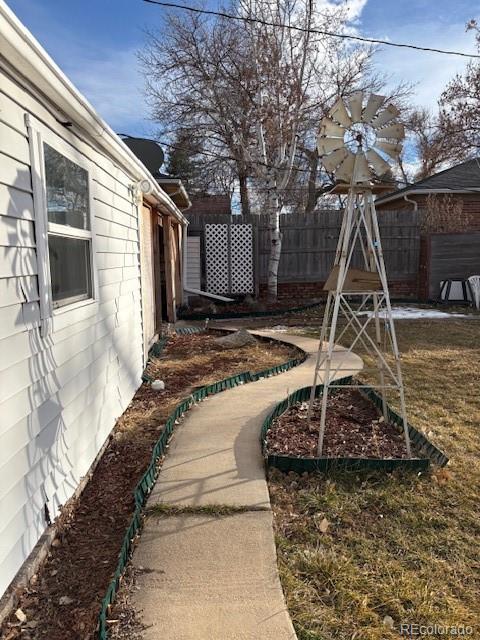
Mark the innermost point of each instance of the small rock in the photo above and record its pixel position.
(56, 542)
(158, 385)
(65, 600)
(235, 340)
(389, 622)
(20, 615)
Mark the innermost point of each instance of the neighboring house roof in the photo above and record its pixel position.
(462, 178)
(219, 204)
(27, 56)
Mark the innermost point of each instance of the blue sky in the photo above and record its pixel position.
(95, 43)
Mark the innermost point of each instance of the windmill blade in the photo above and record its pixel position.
(332, 161)
(355, 102)
(395, 131)
(380, 166)
(392, 149)
(362, 170)
(390, 113)
(330, 128)
(345, 170)
(327, 145)
(339, 113)
(373, 105)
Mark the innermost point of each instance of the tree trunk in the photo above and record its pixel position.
(244, 197)
(275, 248)
(312, 182)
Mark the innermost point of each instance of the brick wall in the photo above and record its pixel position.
(471, 205)
(210, 205)
(303, 290)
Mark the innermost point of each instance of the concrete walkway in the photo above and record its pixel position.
(204, 577)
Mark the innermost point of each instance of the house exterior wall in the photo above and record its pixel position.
(61, 394)
(471, 205)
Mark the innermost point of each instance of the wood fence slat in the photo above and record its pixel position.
(309, 242)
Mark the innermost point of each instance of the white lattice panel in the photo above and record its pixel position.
(241, 258)
(216, 252)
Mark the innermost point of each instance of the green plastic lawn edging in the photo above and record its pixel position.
(145, 485)
(422, 445)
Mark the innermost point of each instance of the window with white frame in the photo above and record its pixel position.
(68, 228)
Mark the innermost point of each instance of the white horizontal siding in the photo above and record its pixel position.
(15, 203)
(16, 230)
(18, 290)
(193, 263)
(59, 395)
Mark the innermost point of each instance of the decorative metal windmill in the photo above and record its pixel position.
(353, 144)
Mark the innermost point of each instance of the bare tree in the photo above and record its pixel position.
(199, 79)
(445, 213)
(460, 107)
(431, 145)
(283, 73)
(254, 91)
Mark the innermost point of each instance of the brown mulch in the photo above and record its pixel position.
(63, 599)
(354, 429)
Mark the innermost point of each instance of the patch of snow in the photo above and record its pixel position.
(416, 313)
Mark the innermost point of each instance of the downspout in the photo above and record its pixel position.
(414, 202)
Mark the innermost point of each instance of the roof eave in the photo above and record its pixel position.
(413, 192)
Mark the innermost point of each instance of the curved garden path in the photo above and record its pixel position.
(204, 577)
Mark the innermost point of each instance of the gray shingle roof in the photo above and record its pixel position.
(461, 177)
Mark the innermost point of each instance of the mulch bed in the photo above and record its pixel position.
(354, 429)
(63, 599)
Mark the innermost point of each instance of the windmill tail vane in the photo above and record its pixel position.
(357, 140)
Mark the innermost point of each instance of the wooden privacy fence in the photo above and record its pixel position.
(310, 240)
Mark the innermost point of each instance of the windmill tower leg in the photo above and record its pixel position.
(391, 325)
(369, 212)
(341, 260)
(326, 320)
(360, 225)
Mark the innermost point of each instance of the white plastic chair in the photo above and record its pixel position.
(474, 282)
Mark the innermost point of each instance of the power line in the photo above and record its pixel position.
(214, 155)
(344, 36)
(297, 188)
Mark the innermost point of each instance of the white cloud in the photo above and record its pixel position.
(430, 72)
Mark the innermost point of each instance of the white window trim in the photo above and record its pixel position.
(38, 134)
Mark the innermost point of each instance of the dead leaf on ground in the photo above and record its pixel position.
(20, 615)
(323, 526)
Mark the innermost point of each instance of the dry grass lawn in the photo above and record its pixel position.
(403, 546)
